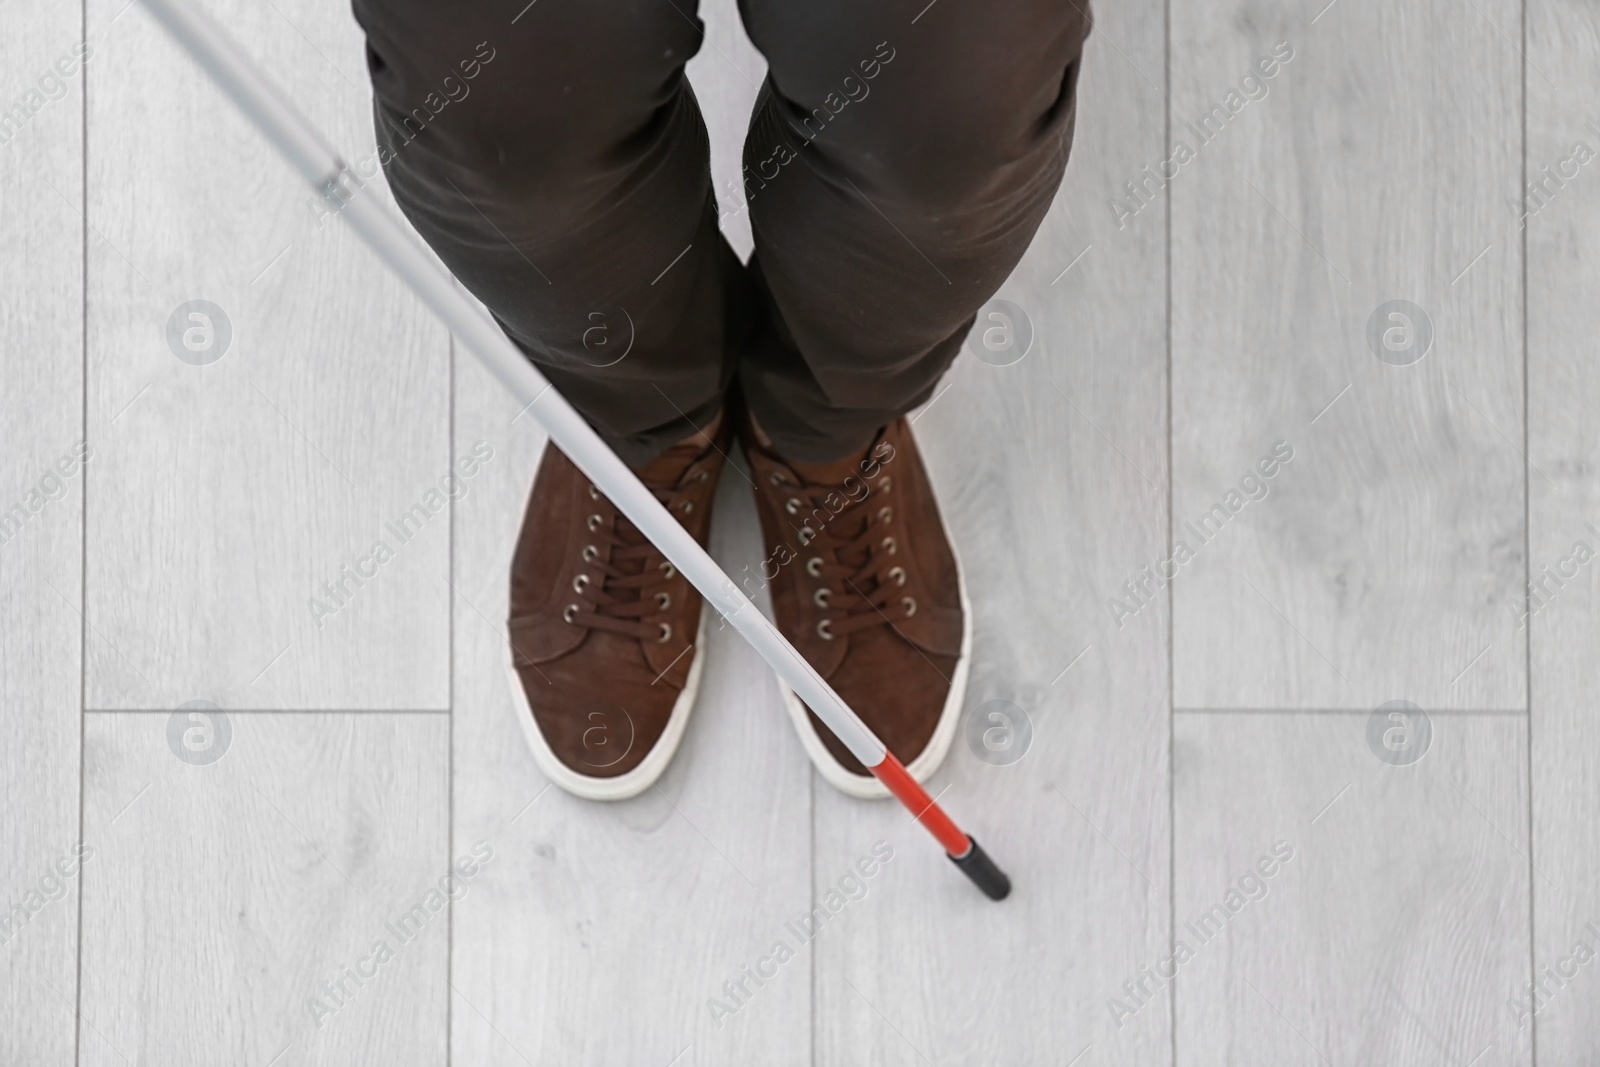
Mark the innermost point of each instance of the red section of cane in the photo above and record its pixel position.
(964, 851)
(893, 774)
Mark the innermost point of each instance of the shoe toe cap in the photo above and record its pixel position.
(606, 727)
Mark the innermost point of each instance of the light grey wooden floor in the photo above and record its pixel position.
(1204, 780)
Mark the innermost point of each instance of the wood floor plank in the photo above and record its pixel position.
(1563, 242)
(233, 909)
(611, 935)
(41, 532)
(231, 495)
(726, 74)
(611, 928)
(1371, 167)
(1335, 908)
(1052, 475)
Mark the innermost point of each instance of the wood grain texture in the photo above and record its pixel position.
(227, 494)
(1386, 561)
(1051, 473)
(221, 897)
(1375, 168)
(1563, 236)
(610, 927)
(1397, 926)
(41, 531)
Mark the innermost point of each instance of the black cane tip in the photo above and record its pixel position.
(977, 865)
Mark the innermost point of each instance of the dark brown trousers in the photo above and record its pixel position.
(898, 161)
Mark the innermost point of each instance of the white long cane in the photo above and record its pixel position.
(319, 164)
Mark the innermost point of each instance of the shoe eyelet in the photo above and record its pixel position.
(702, 476)
(820, 597)
(889, 546)
(814, 566)
(663, 601)
(825, 629)
(590, 553)
(807, 535)
(776, 478)
(668, 569)
(792, 505)
(594, 493)
(594, 522)
(579, 582)
(666, 634)
(688, 507)
(897, 575)
(570, 613)
(883, 486)
(910, 605)
(885, 515)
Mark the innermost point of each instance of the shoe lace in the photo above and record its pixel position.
(631, 595)
(851, 553)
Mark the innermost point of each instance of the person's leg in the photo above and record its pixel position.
(900, 159)
(557, 162)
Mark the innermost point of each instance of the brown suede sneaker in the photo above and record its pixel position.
(603, 629)
(867, 585)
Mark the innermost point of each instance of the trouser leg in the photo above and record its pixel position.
(897, 166)
(559, 166)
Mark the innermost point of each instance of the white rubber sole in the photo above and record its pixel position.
(642, 777)
(931, 757)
